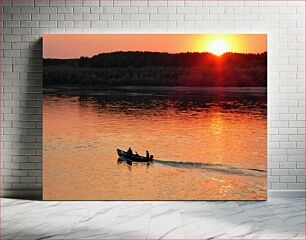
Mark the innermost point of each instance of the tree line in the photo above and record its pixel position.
(158, 69)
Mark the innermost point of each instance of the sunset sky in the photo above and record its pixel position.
(67, 46)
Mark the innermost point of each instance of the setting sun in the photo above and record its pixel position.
(218, 47)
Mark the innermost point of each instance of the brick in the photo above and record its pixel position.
(185, 9)
(19, 173)
(73, 16)
(35, 173)
(296, 172)
(47, 24)
(29, 10)
(6, 172)
(23, 3)
(242, 10)
(278, 124)
(221, 24)
(176, 3)
(91, 16)
(273, 179)
(217, 10)
(128, 10)
(262, 10)
(29, 24)
(81, 10)
(296, 186)
(64, 10)
(277, 186)
(202, 10)
(176, 17)
(40, 17)
(48, 10)
(231, 3)
(11, 53)
(42, 3)
(147, 9)
(105, 17)
(185, 24)
(300, 116)
(290, 10)
(296, 151)
(59, 3)
(196, 3)
(287, 131)
(121, 3)
(130, 24)
(300, 179)
(230, 17)
(113, 24)
(242, 24)
(167, 24)
(296, 158)
(21, 17)
(191, 17)
(27, 179)
(157, 3)
(166, 10)
(298, 138)
(287, 145)
(96, 10)
(112, 10)
(11, 10)
(297, 124)
(82, 24)
(11, 24)
(57, 17)
(148, 24)
(91, 3)
(10, 179)
(300, 164)
(287, 165)
(64, 24)
(156, 17)
(121, 17)
(288, 179)
(273, 165)
(19, 46)
(98, 24)
(140, 17)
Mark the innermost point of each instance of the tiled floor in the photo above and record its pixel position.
(273, 219)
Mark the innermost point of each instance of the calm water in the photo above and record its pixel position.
(211, 143)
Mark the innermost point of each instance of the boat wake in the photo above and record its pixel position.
(227, 169)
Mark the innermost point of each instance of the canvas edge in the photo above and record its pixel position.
(38, 195)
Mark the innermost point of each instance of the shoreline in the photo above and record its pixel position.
(155, 88)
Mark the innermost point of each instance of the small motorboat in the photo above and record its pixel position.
(125, 156)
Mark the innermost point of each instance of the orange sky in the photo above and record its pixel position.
(77, 45)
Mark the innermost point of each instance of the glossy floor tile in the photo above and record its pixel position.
(272, 219)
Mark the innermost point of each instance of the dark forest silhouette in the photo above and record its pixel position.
(158, 69)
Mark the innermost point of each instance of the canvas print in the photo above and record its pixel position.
(155, 117)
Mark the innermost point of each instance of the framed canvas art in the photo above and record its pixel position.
(155, 117)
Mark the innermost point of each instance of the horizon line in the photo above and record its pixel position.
(258, 53)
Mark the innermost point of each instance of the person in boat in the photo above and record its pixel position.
(151, 157)
(147, 154)
(130, 151)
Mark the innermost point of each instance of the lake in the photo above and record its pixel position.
(211, 143)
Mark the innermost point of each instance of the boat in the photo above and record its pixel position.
(125, 156)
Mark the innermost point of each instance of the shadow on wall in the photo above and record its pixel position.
(25, 156)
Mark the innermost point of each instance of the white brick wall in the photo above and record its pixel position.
(24, 22)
